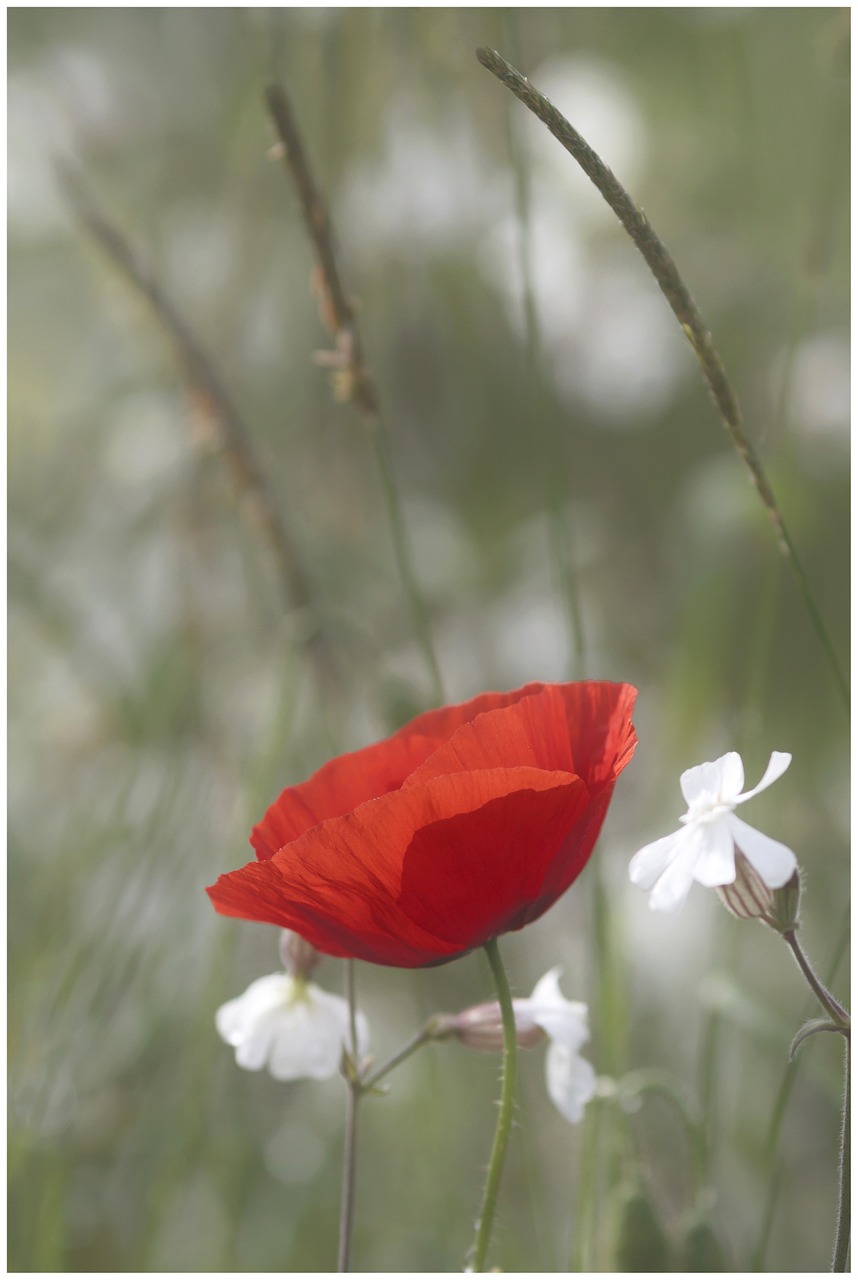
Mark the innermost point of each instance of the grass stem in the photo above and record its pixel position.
(667, 276)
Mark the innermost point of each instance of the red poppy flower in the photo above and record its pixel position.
(468, 822)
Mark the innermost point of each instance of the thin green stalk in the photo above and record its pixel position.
(673, 287)
(585, 1234)
(423, 1036)
(504, 1124)
(353, 1097)
(840, 1261)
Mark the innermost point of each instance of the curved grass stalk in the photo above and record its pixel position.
(667, 276)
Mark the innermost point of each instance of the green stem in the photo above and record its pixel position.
(840, 1261)
(504, 1125)
(588, 1188)
(347, 1203)
(685, 309)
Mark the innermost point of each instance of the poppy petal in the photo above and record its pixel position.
(418, 875)
(352, 779)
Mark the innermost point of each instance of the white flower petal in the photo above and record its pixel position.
(310, 1037)
(722, 777)
(565, 1021)
(715, 862)
(671, 889)
(773, 861)
(650, 862)
(779, 762)
(253, 1051)
(294, 1028)
(235, 1017)
(571, 1081)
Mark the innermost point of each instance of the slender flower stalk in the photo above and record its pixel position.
(840, 1261)
(685, 309)
(417, 1041)
(823, 995)
(347, 1204)
(504, 1124)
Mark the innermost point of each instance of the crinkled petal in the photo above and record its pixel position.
(571, 1081)
(715, 862)
(358, 776)
(650, 862)
(420, 875)
(779, 762)
(563, 1020)
(722, 777)
(773, 861)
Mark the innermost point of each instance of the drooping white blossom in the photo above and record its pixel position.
(290, 1026)
(546, 1014)
(570, 1079)
(704, 848)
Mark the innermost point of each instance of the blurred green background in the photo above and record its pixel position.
(160, 693)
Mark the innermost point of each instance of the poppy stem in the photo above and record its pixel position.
(504, 1124)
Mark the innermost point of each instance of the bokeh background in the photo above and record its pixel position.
(574, 508)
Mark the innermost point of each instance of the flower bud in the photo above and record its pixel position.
(700, 1248)
(641, 1242)
(299, 956)
(748, 897)
(481, 1027)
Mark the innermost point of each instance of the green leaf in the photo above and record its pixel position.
(810, 1029)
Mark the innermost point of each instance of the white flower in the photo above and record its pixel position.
(704, 848)
(291, 1026)
(571, 1080)
(546, 1013)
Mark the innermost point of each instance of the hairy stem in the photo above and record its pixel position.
(667, 276)
(504, 1124)
(840, 1262)
(823, 995)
